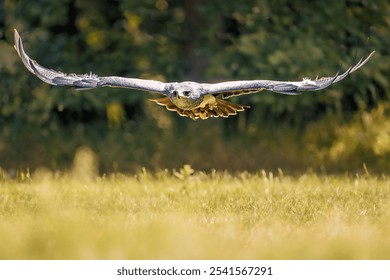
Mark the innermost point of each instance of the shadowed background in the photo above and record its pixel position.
(343, 128)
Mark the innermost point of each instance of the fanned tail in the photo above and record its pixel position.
(226, 109)
(221, 108)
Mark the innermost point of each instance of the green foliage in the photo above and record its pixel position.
(188, 214)
(331, 145)
(365, 139)
(171, 40)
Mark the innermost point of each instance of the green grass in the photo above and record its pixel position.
(193, 215)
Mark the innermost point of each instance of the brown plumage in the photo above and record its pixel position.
(219, 108)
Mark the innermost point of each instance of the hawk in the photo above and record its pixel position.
(188, 99)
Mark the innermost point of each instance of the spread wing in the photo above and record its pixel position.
(235, 88)
(85, 81)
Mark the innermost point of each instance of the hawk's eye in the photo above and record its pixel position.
(186, 93)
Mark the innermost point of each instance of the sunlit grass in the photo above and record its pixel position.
(187, 214)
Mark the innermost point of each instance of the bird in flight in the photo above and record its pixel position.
(188, 99)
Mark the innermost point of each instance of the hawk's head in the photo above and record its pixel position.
(185, 95)
(188, 90)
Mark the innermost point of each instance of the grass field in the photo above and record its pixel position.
(187, 214)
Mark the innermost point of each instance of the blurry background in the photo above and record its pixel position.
(342, 128)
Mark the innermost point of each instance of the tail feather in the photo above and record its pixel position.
(227, 108)
(221, 108)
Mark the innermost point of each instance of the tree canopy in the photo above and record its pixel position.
(206, 41)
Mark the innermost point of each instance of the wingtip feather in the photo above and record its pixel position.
(17, 41)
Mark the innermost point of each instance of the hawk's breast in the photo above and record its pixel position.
(189, 103)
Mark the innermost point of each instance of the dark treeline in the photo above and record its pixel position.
(206, 41)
